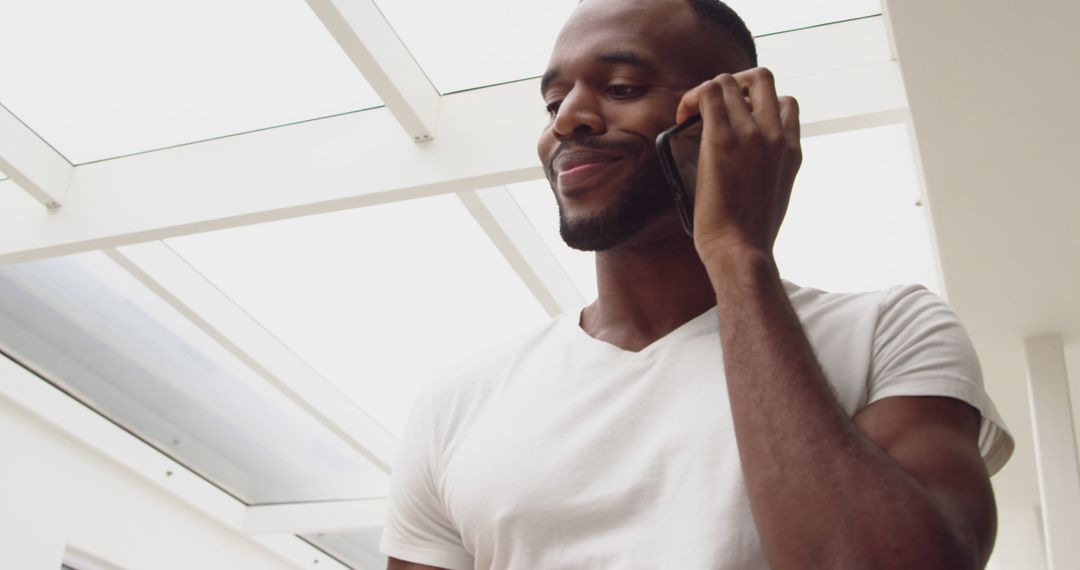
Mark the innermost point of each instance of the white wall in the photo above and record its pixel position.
(54, 492)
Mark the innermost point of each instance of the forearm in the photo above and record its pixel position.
(822, 494)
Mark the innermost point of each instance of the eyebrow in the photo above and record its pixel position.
(624, 57)
(608, 58)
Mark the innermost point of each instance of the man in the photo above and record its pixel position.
(701, 413)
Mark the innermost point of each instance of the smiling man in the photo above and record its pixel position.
(701, 412)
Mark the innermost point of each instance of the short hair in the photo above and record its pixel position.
(719, 17)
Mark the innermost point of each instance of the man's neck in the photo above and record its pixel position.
(645, 291)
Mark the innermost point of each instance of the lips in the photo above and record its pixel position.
(575, 167)
(572, 159)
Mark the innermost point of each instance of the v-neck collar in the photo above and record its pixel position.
(604, 349)
(595, 348)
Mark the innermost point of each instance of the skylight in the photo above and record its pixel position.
(114, 77)
(474, 43)
(376, 299)
(93, 330)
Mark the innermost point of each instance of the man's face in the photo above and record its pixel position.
(616, 75)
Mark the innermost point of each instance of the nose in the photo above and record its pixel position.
(578, 115)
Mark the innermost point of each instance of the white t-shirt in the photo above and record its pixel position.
(562, 451)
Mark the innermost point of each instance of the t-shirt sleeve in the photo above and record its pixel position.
(921, 349)
(418, 528)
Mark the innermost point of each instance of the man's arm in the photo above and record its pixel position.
(936, 441)
(395, 564)
(901, 486)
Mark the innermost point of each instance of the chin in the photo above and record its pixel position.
(580, 212)
(619, 224)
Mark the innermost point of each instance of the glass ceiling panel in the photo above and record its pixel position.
(538, 202)
(358, 549)
(853, 223)
(473, 43)
(89, 326)
(375, 299)
(113, 77)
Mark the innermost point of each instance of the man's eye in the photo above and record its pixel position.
(553, 108)
(624, 91)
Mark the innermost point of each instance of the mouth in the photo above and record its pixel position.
(578, 167)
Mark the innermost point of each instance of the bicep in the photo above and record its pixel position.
(935, 439)
(395, 564)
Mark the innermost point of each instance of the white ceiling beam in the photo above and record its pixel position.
(1055, 449)
(313, 518)
(34, 165)
(89, 428)
(856, 122)
(367, 38)
(169, 276)
(315, 167)
(518, 241)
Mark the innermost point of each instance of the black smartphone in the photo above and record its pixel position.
(678, 149)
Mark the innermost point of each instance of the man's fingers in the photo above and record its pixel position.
(761, 88)
(740, 117)
(709, 100)
(789, 121)
(689, 103)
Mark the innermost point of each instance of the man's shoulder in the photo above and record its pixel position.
(812, 302)
(833, 321)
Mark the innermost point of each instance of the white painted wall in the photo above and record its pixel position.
(54, 492)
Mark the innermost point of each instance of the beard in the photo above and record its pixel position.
(643, 198)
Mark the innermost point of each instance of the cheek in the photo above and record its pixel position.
(647, 120)
(660, 120)
(545, 145)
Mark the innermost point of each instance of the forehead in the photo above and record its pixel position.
(662, 31)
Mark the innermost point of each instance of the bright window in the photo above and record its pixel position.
(467, 44)
(88, 326)
(376, 299)
(112, 77)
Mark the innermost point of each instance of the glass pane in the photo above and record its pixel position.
(472, 43)
(112, 77)
(88, 325)
(853, 223)
(358, 549)
(772, 16)
(376, 299)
